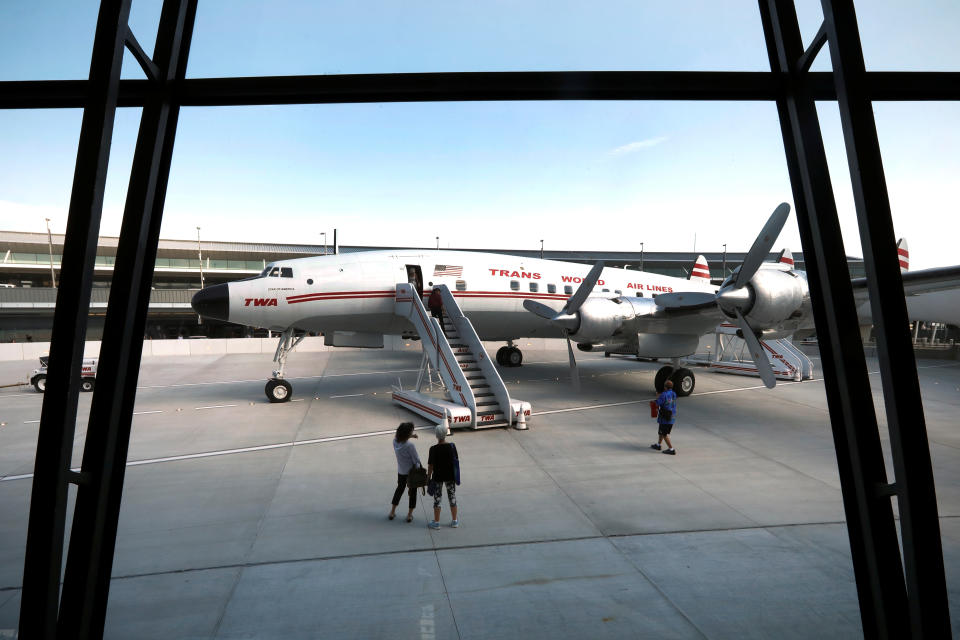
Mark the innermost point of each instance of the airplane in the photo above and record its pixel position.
(349, 298)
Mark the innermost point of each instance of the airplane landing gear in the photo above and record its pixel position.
(509, 356)
(683, 380)
(663, 374)
(278, 389)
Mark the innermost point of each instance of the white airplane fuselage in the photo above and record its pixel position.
(355, 292)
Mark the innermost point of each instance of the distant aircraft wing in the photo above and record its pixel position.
(922, 281)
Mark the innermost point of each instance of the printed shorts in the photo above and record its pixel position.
(451, 495)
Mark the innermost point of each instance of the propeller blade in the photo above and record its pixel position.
(539, 309)
(682, 300)
(579, 296)
(574, 372)
(757, 352)
(762, 245)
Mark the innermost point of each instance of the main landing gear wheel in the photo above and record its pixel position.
(278, 390)
(662, 376)
(509, 357)
(683, 382)
(40, 383)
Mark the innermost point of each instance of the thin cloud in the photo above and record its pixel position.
(638, 145)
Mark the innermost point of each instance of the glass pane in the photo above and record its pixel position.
(382, 36)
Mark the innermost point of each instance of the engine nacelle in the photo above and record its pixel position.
(775, 297)
(600, 318)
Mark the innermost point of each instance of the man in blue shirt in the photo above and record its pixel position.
(666, 417)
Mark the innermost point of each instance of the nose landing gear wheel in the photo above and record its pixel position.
(278, 390)
(513, 357)
(86, 384)
(501, 356)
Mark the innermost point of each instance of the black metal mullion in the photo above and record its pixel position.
(93, 535)
(870, 524)
(917, 499)
(48, 502)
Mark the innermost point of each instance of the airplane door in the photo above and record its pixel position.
(415, 277)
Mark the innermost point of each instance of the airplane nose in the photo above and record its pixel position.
(212, 302)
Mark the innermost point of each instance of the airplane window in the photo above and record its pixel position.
(534, 287)
(309, 280)
(568, 289)
(286, 272)
(275, 272)
(461, 285)
(265, 272)
(640, 294)
(551, 288)
(606, 291)
(514, 285)
(618, 292)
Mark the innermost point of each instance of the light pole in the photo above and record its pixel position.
(324, 234)
(724, 271)
(200, 255)
(541, 249)
(641, 256)
(53, 277)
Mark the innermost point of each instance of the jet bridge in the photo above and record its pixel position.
(468, 390)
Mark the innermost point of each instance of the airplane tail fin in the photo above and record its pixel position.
(904, 254)
(701, 270)
(785, 257)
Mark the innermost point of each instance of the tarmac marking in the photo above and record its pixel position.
(214, 406)
(349, 395)
(225, 452)
(30, 421)
(202, 384)
(143, 413)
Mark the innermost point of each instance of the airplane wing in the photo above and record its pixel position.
(932, 295)
(922, 281)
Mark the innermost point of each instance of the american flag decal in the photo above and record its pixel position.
(447, 270)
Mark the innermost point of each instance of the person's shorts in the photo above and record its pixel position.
(665, 429)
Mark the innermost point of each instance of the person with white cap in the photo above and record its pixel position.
(442, 466)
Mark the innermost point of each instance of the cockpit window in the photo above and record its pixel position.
(286, 272)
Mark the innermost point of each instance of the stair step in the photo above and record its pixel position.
(483, 395)
(490, 419)
(487, 403)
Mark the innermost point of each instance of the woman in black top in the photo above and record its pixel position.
(440, 466)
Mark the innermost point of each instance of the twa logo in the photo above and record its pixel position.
(460, 418)
(260, 302)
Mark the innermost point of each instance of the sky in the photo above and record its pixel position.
(676, 176)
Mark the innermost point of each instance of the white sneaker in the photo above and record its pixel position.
(455, 523)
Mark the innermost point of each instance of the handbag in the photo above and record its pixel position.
(456, 464)
(417, 478)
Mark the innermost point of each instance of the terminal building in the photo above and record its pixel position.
(30, 271)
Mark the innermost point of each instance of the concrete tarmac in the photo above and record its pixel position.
(243, 519)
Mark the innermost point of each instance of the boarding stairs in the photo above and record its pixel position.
(786, 360)
(470, 392)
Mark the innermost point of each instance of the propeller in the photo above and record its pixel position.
(734, 296)
(567, 318)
